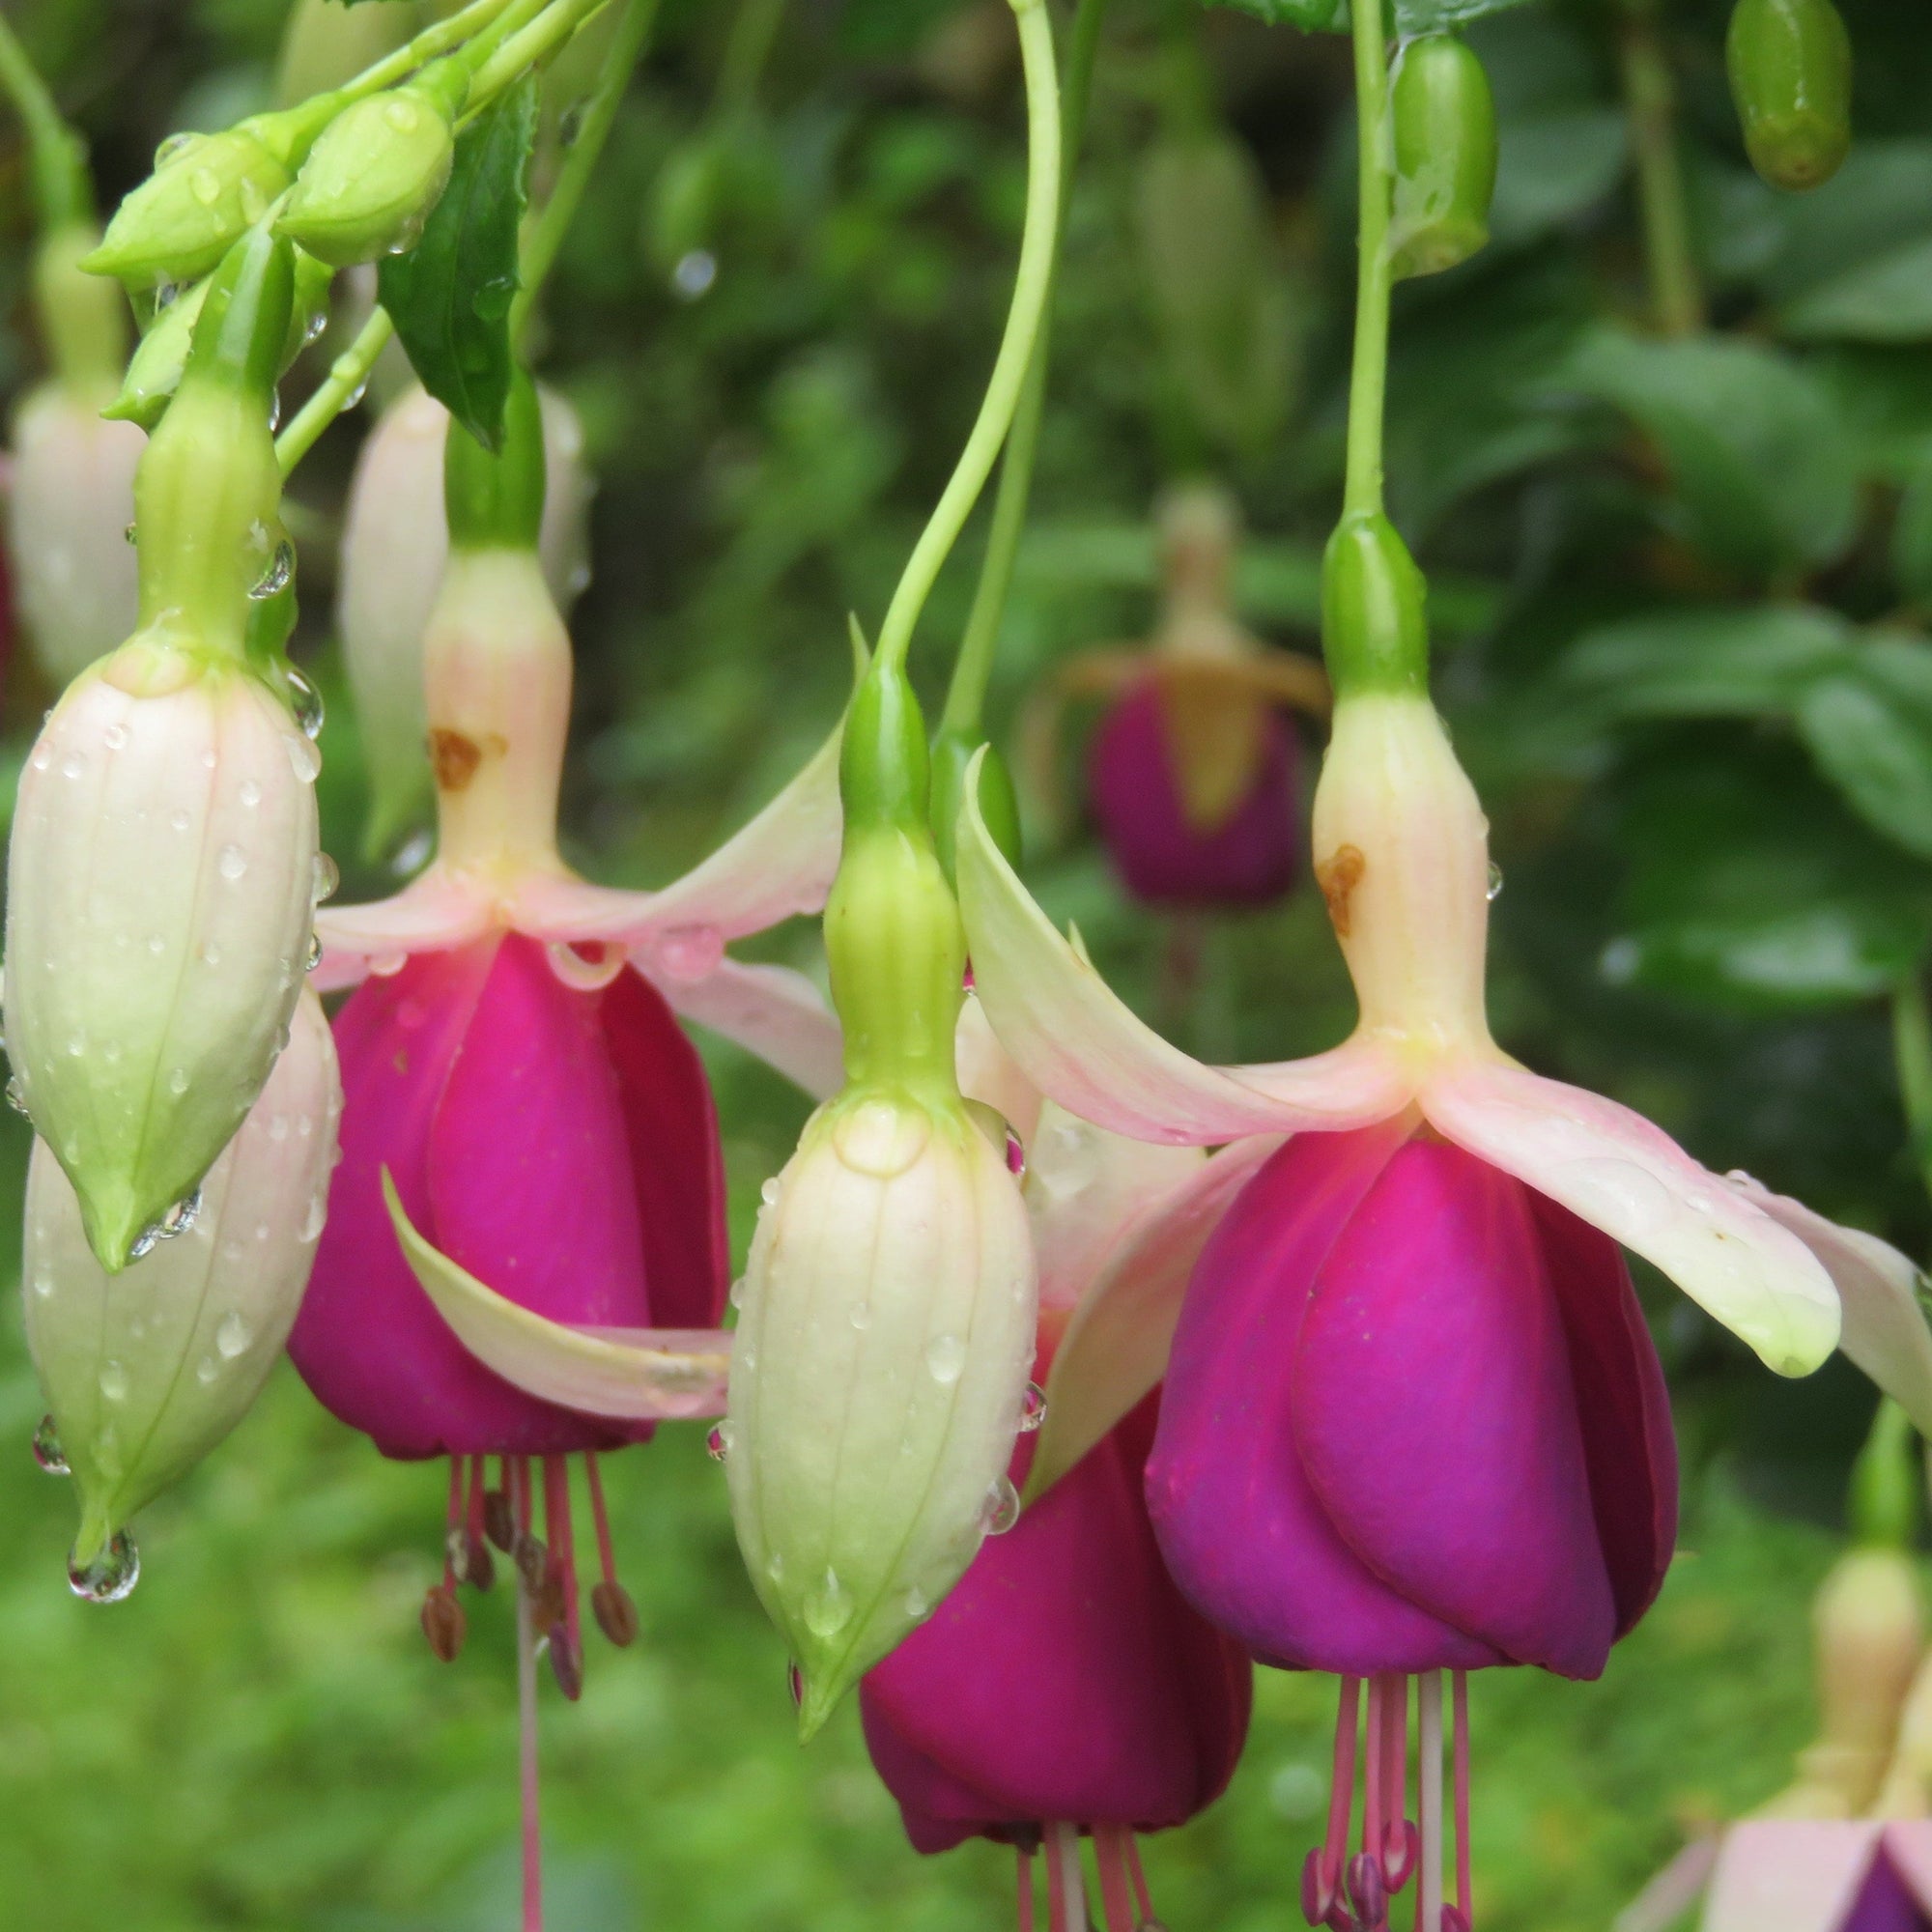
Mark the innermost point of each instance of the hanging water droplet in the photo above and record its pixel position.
(862, 1316)
(206, 1370)
(325, 878)
(316, 1218)
(113, 1381)
(110, 1577)
(1496, 884)
(72, 765)
(355, 396)
(178, 1081)
(718, 1444)
(1003, 1508)
(916, 1603)
(231, 1335)
(47, 1450)
(737, 1294)
(173, 149)
(1033, 1408)
(304, 760)
(315, 327)
(313, 958)
(770, 1191)
(115, 737)
(306, 700)
(1015, 1155)
(828, 1609)
(233, 862)
(275, 578)
(944, 1358)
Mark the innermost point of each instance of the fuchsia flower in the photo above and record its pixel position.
(1194, 776)
(1413, 1421)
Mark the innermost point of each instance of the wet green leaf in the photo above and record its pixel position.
(1869, 728)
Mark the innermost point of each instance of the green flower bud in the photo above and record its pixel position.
(206, 189)
(1374, 631)
(1790, 64)
(370, 181)
(147, 1369)
(885, 1336)
(1445, 156)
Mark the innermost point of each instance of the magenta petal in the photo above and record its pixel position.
(1629, 1445)
(1162, 859)
(1436, 1416)
(1064, 1678)
(677, 1163)
(1242, 1531)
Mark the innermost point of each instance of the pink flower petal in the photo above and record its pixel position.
(770, 1010)
(1242, 1531)
(1628, 1444)
(676, 1170)
(1617, 1172)
(1436, 1416)
(1884, 1330)
(1908, 1844)
(1789, 1875)
(436, 913)
(1116, 1345)
(1080, 1046)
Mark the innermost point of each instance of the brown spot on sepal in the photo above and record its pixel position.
(1338, 876)
(455, 756)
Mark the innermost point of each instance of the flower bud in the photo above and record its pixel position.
(160, 882)
(147, 1369)
(883, 1348)
(178, 224)
(1445, 156)
(1790, 65)
(395, 543)
(68, 513)
(370, 181)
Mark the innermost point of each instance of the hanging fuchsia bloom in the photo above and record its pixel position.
(1194, 775)
(523, 1109)
(1413, 1421)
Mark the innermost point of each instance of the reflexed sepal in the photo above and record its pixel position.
(1790, 65)
(1445, 156)
(370, 181)
(146, 1371)
(885, 1339)
(160, 903)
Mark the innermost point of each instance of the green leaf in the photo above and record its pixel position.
(1869, 728)
(1764, 472)
(1310, 15)
(1732, 662)
(1434, 17)
(450, 295)
(1553, 166)
(1912, 536)
(1887, 298)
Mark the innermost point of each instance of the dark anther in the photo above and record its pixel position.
(532, 1559)
(566, 1663)
(1401, 1847)
(548, 1598)
(499, 1526)
(616, 1616)
(1318, 1889)
(1368, 1890)
(479, 1566)
(443, 1624)
(1455, 1920)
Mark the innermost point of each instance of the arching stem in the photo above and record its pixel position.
(1368, 380)
(1650, 99)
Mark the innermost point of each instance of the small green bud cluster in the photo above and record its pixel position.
(1445, 156)
(1790, 64)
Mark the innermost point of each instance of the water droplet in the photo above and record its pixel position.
(232, 864)
(386, 965)
(315, 327)
(111, 1575)
(313, 957)
(178, 1081)
(688, 952)
(404, 115)
(737, 1295)
(916, 1603)
(769, 1193)
(209, 952)
(693, 274)
(881, 1138)
(205, 185)
(44, 756)
(828, 1609)
(316, 1218)
(306, 700)
(275, 411)
(862, 1316)
(76, 1045)
(775, 1566)
(718, 1444)
(355, 396)
(231, 1335)
(325, 877)
(71, 765)
(946, 1358)
(1495, 884)
(412, 854)
(173, 149)
(304, 760)
(206, 1369)
(1015, 1155)
(114, 1381)
(16, 1095)
(115, 737)
(276, 577)
(254, 201)
(576, 967)
(1003, 1508)
(1033, 1408)
(47, 1450)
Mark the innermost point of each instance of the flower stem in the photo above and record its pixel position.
(1911, 1055)
(348, 375)
(63, 190)
(1023, 322)
(1368, 380)
(433, 41)
(966, 697)
(1650, 98)
(546, 237)
(745, 52)
(528, 45)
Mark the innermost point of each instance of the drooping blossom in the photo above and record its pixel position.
(1065, 1685)
(395, 542)
(145, 1371)
(1193, 773)
(1453, 1450)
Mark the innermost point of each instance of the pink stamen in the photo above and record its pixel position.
(1464, 1905)
(1117, 1902)
(600, 1518)
(1025, 1862)
(1400, 1840)
(1141, 1894)
(566, 1648)
(527, 1716)
(1374, 1779)
(452, 1523)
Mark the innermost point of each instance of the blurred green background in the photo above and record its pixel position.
(1681, 584)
